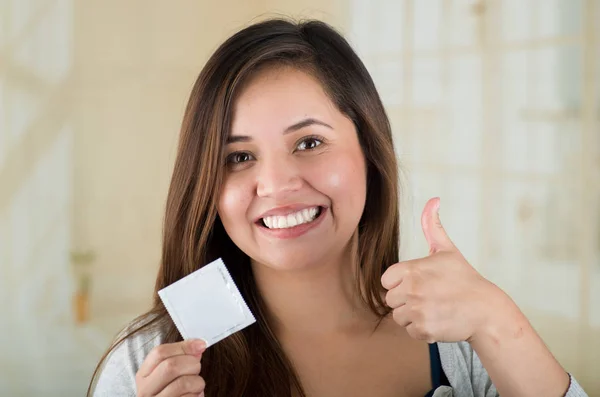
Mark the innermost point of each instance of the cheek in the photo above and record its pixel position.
(345, 182)
(334, 180)
(233, 203)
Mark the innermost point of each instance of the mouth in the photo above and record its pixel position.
(292, 220)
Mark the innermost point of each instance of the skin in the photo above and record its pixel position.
(276, 164)
(278, 173)
(272, 169)
(442, 298)
(172, 369)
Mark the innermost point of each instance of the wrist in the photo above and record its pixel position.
(501, 318)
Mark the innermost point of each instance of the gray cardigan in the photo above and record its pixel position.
(460, 363)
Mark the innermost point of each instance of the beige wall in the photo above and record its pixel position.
(334, 12)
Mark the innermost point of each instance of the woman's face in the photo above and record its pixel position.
(295, 184)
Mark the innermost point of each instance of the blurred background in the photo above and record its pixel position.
(495, 106)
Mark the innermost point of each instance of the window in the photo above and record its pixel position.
(495, 107)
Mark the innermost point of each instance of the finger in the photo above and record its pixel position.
(434, 232)
(187, 384)
(170, 369)
(162, 352)
(401, 316)
(394, 275)
(396, 297)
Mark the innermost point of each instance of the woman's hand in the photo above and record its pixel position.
(441, 298)
(172, 370)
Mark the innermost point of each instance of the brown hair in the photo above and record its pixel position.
(251, 362)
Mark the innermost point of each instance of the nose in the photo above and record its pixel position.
(277, 178)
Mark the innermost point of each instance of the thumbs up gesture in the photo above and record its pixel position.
(440, 298)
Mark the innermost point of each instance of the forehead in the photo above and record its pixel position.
(277, 96)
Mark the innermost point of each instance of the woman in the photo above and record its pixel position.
(286, 169)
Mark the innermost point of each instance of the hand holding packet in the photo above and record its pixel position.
(207, 304)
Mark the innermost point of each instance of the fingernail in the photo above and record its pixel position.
(198, 346)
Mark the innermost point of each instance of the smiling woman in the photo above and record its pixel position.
(286, 169)
(302, 157)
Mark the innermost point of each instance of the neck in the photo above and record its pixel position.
(319, 300)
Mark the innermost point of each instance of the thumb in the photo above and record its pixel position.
(433, 230)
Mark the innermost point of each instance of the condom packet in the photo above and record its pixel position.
(207, 304)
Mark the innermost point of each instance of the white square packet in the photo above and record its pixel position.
(207, 304)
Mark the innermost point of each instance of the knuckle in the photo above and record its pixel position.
(170, 367)
(182, 384)
(413, 332)
(413, 278)
(421, 333)
(189, 384)
(412, 268)
(414, 292)
(159, 353)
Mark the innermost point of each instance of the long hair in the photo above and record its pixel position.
(252, 362)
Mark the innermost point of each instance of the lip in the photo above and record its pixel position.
(286, 210)
(295, 231)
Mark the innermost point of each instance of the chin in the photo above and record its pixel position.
(292, 264)
(290, 259)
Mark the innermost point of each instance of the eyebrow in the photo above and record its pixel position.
(294, 127)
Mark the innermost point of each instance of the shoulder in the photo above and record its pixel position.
(464, 370)
(116, 376)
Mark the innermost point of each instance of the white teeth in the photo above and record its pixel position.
(297, 218)
(281, 222)
(267, 222)
(291, 219)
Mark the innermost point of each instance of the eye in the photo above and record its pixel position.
(309, 143)
(238, 158)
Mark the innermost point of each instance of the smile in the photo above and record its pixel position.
(294, 219)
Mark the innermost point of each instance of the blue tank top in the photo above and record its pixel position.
(438, 377)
